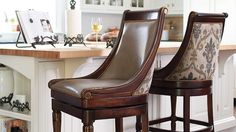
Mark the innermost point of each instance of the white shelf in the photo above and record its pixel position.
(5, 111)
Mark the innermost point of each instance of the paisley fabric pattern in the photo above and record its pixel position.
(146, 84)
(200, 58)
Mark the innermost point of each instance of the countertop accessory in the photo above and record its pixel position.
(20, 106)
(6, 100)
(111, 42)
(72, 4)
(35, 27)
(79, 39)
(45, 40)
(39, 40)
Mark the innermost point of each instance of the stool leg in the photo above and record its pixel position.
(138, 123)
(119, 124)
(210, 110)
(87, 121)
(88, 126)
(56, 115)
(186, 113)
(173, 113)
(145, 122)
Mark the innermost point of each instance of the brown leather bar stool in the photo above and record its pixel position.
(120, 86)
(190, 71)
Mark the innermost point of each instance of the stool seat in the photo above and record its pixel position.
(181, 87)
(76, 87)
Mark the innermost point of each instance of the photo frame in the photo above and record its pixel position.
(36, 27)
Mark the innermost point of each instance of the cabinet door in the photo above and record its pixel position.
(173, 6)
(102, 6)
(160, 3)
(163, 60)
(176, 7)
(90, 5)
(138, 4)
(94, 2)
(116, 3)
(224, 96)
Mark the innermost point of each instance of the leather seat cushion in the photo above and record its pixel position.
(74, 87)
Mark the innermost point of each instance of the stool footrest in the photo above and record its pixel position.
(209, 127)
(159, 120)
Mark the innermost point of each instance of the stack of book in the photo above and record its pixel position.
(3, 120)
(12, 125)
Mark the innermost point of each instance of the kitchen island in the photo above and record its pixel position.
(33, 68)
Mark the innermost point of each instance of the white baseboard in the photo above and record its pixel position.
(225, 123)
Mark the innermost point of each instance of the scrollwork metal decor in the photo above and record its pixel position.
(111, 42)
(79, 39)
(72, 4)
(6, 100)
(46, 39)
(20, 106)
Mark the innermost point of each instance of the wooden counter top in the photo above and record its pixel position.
(172, 47)
(47, 51)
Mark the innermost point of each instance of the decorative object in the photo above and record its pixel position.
(44, 39)
(6, 100)
(20, 106)
(111, 42)
(79, 39)
(96, 25)
(73, 23)
(20, 98)
(34, 24)
(72, 4)
(6, 81)
(3, 120)
(16, 125)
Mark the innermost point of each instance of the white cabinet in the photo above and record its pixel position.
(102, 6)
(112, 6)
(174, 6)
(30, 80)
(138, 4)
(30, 77)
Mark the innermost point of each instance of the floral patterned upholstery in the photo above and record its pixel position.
(199, 60)
(145, 85)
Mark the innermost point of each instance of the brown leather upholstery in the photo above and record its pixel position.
(190, 71)
(119, 87)
(135, 44)
(74, 87)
